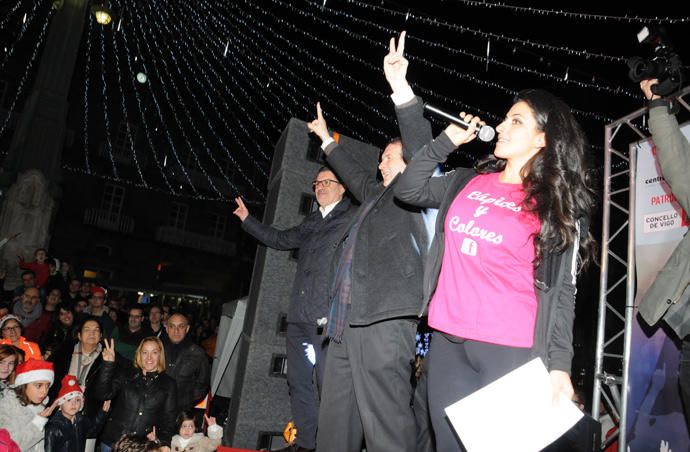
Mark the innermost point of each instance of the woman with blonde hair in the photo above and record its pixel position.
(144, 398)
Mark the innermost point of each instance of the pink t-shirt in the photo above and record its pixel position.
(485, 290)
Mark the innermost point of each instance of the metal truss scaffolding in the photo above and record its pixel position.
(617, 277)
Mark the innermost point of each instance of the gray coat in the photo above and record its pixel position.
(315, 237)
(664, 297)
(26, 427)
(554, 279)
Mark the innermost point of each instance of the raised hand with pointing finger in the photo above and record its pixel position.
(319, 126)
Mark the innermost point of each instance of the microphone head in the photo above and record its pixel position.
(486, 133)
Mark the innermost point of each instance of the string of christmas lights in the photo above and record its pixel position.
(10, 15)
(26, 24)
(200, 108)
(573, 15)
(106, 115)
(486, 35)
(169, 99)
(87, 78)
(210, 101)
(486, 58)
(25, 76)
(161, 117)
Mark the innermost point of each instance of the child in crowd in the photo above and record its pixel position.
(188, 440)
(39, 266)
(68, 429)
(22, 410)
(10, 357)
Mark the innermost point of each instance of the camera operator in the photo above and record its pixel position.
(667, 298)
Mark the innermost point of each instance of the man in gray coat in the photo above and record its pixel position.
(668, 298)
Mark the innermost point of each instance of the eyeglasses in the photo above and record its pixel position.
(325, 183)
(10, 328)
(135, 316)
(9, 364)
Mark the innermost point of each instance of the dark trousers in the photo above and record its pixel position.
(684, 378)
(367, 390)
(304, 401)
(457, 368)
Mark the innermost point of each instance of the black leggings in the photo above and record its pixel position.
(457, 368)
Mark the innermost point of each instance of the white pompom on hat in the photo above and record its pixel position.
(69, 389)
(34, 370)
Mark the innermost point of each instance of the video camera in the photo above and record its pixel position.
(665, 66)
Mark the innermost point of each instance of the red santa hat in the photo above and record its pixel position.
(69, 389)
(34, 370)
(98, 290)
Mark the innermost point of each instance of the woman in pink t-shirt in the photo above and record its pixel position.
(508, 240)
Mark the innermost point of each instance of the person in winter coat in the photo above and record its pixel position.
(68, 428)
(187, 440)
(22, 411)
(144, 398)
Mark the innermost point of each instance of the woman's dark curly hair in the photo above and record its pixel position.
(557, 181)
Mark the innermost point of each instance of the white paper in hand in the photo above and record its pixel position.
(513, 413)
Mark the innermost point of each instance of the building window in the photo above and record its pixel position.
(123, 139)
(267, 440)
(113, 198)
(278, 366)
(178, 215)
(307, 204)
(314, 152)
(282, 323)
(218, 225)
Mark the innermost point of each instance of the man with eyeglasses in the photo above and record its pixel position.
(127, 337)
(315, 238)
(98, 309)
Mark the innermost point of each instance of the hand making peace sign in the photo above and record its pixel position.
(108, 352)
(395, 64)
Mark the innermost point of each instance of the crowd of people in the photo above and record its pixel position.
(82, 370)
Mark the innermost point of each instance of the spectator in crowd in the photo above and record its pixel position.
(4, 308)
(187, 440)
(73, 289)
(29, 310)
(68, 428)
(155, 323)
(80, 307)
(55, 278)
(39, 266)
(186, 363)
(22, 411)
(81, 358)
(127, 338)
(60, 332)
(40, 328)
(98, 309)
(12, 334)
(167, 311)
(85, 289)
(66, 271)
(28, 281)
(144, 397)
(10, 357)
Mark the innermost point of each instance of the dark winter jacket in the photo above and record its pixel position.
(139, 402)
(187, 364)
(63, 435)
(315, 237)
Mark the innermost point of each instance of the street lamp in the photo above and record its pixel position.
(102, 13)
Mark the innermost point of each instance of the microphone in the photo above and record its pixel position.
(484, 133)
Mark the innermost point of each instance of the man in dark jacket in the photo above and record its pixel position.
(315, 237)
(186, 363)
(377, 295)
